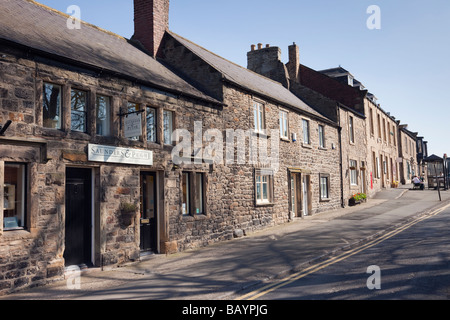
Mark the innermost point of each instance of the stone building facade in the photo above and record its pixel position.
(380, 170)
(407, 157)
(77, 189)
(382, 148)
(118, 148)
(351, 120)
(305, 177)
(111, 155)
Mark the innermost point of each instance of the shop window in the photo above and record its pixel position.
(193, 197)
(14, 210)
(199, 205)
(103, 107)
(52, 112)
(78, 111)
(186, 194)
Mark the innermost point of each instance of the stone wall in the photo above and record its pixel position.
(35, 255)
(355, 150)
(381, 146)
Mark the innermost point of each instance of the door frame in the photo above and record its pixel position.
(156, 192)
(298, 175)
(91, 212)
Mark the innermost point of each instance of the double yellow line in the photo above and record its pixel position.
(314, 268)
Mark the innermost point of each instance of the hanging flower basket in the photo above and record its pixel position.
(128, 212)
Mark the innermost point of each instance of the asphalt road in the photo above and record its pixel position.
(410, 263)
(227, 270)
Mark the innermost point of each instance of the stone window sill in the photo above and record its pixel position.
(307, 146)
(11, 235)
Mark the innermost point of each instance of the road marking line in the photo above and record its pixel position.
(301, 274)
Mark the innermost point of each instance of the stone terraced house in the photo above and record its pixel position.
(114, 149)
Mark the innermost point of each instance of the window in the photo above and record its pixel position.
(151, 124)
(379, 126)
(389, 132)
(306, 136)
(351, 129)
(14, 196)
(193, 197)
(372, 131)
(186, 194)
(133, 107)
(321, 136)
(103, 109)
(384, 130)
(324, 187)
(52, 111)
(78, 110)
(263, 186)
(168, 127)
(353, 173)
(378, 168)
(258, 117)
(284, 125)
(198, 203)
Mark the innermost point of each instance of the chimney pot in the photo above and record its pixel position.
(253, 47)
(267, 45)
(260, 46)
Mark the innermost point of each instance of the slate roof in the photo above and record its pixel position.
(433, 158)
(41, 28)
(248, 79)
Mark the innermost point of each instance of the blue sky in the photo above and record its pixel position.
(405, 63)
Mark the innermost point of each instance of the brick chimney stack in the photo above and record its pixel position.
(293, 66)
(267, 62)
(151, 21)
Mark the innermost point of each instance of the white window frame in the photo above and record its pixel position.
(263, 181)
(353, 172)
(351, 128)
(324, 193)
(284, 124)
(258, 117)
(322, 143)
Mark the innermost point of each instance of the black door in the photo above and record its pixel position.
(148, 219)
(78, 217)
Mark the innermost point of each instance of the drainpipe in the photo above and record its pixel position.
(338, 111)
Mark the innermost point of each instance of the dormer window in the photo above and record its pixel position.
(350, 81)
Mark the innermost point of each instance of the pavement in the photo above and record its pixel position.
(222, 270)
